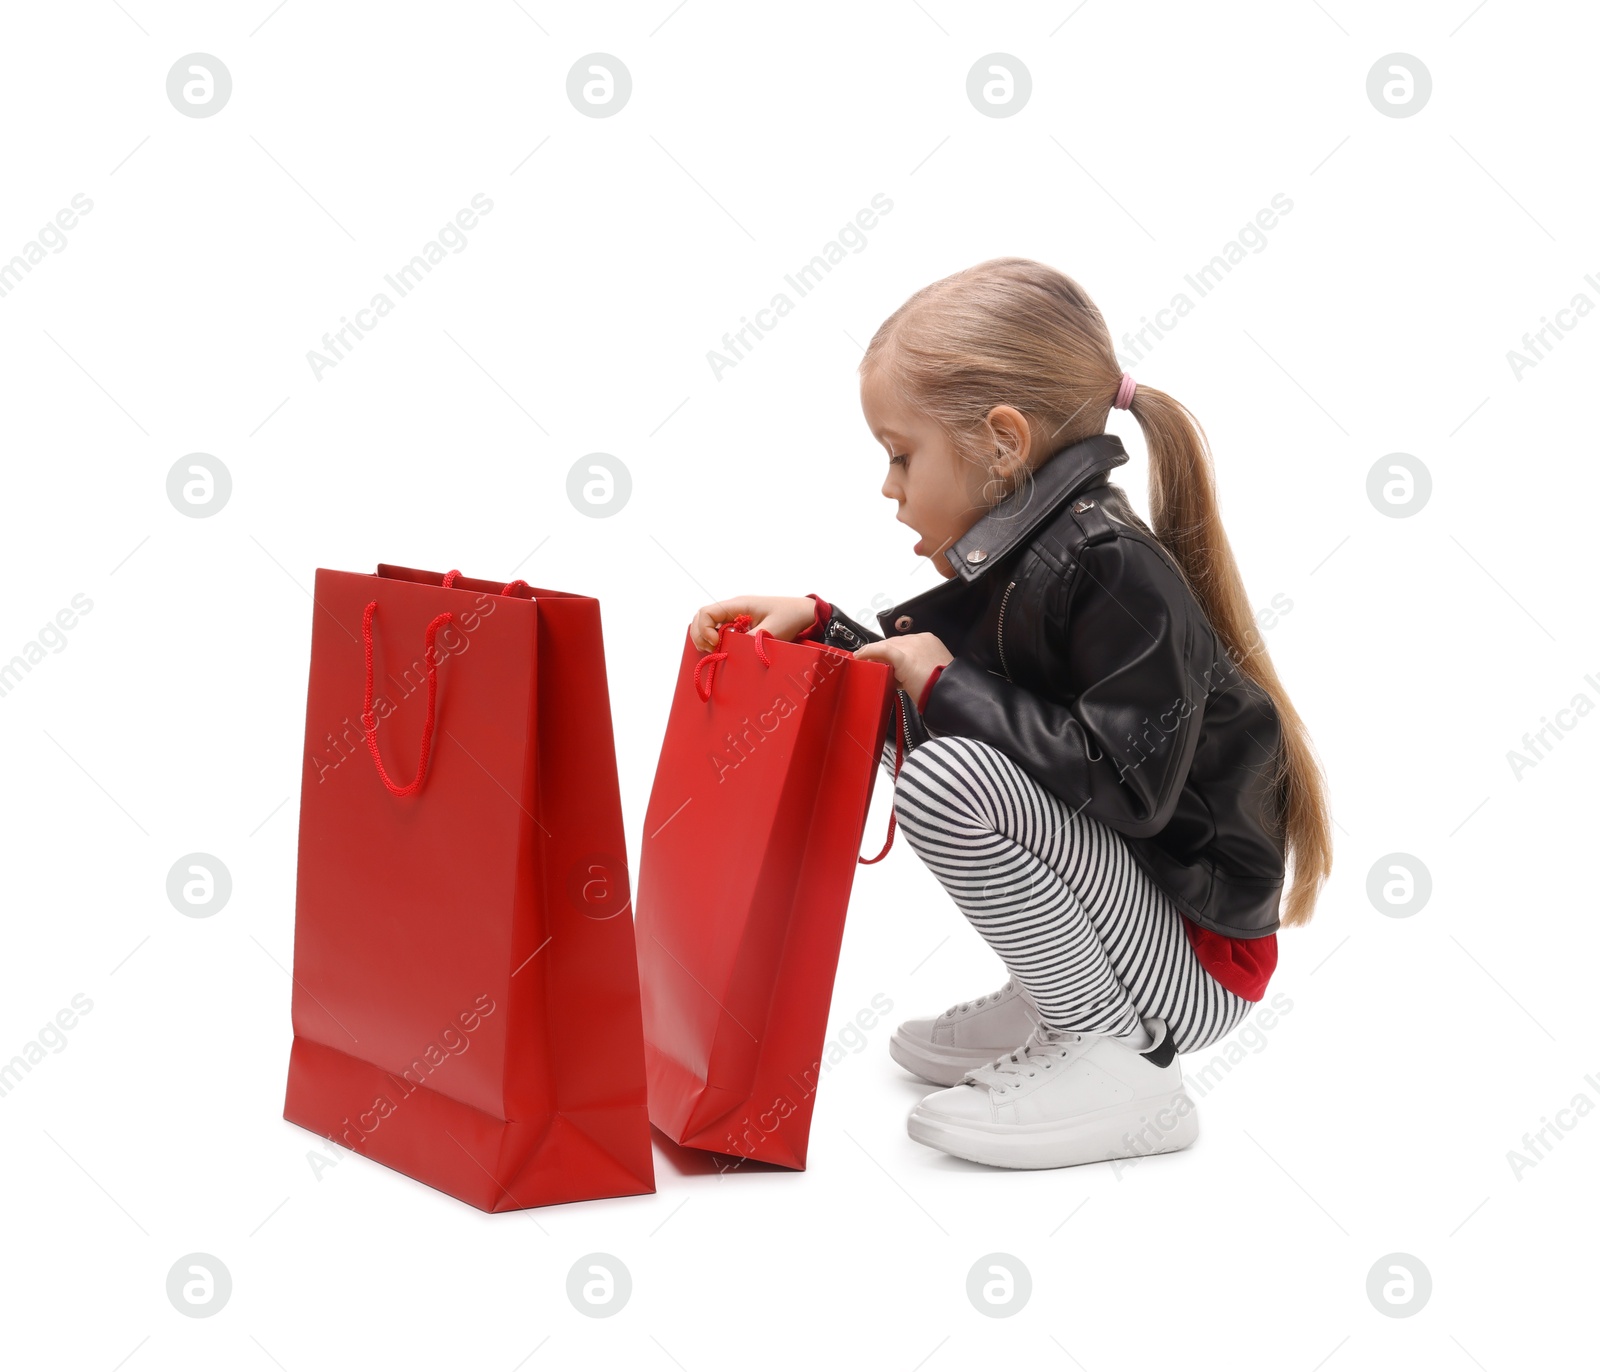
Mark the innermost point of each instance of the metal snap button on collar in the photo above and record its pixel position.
(976, 555)
(903, 623)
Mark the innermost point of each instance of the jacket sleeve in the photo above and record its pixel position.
(1121, 749)
(835, 628)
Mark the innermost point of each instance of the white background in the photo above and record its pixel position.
(1377, 1113)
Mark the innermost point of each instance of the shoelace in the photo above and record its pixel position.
(967, 1005)
(1043, 1050)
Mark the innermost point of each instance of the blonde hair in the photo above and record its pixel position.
(1016, 332)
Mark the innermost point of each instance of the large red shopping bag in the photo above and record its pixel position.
(466, 997)
(751, 842)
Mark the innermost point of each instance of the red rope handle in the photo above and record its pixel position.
(739, 624)
(450, 578)
(369, 720)
(899, 754)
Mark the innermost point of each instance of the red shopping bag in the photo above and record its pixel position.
(466, 997)
(750, 848)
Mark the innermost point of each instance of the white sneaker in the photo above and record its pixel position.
(1063, 1099)
(971, 1034)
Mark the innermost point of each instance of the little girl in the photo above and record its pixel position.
(1093, 752)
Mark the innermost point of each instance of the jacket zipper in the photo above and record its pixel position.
(905, 723)
(1000, 628)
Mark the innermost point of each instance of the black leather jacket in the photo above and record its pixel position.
(1082, 655)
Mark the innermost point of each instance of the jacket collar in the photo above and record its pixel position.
(1004, 527)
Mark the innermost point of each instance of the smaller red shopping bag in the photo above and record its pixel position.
(466, 997)
(751, 842)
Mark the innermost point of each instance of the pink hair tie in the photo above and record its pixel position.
(1125, 389)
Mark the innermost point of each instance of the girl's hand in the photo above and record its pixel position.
(913, 657)
(781, 616)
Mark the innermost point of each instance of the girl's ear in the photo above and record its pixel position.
(1012, 437)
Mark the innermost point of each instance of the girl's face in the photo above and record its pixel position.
(940, 494)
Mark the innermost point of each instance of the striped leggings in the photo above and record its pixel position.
(1091, 939)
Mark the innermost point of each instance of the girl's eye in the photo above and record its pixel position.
(897, 457)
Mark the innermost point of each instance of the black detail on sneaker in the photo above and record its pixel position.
(1164, 1051)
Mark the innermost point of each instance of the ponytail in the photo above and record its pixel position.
(1185, 519)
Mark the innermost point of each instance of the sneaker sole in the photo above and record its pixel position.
(943, 1066)
(1098, 1137)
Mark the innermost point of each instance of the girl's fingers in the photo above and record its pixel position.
(706, 619)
